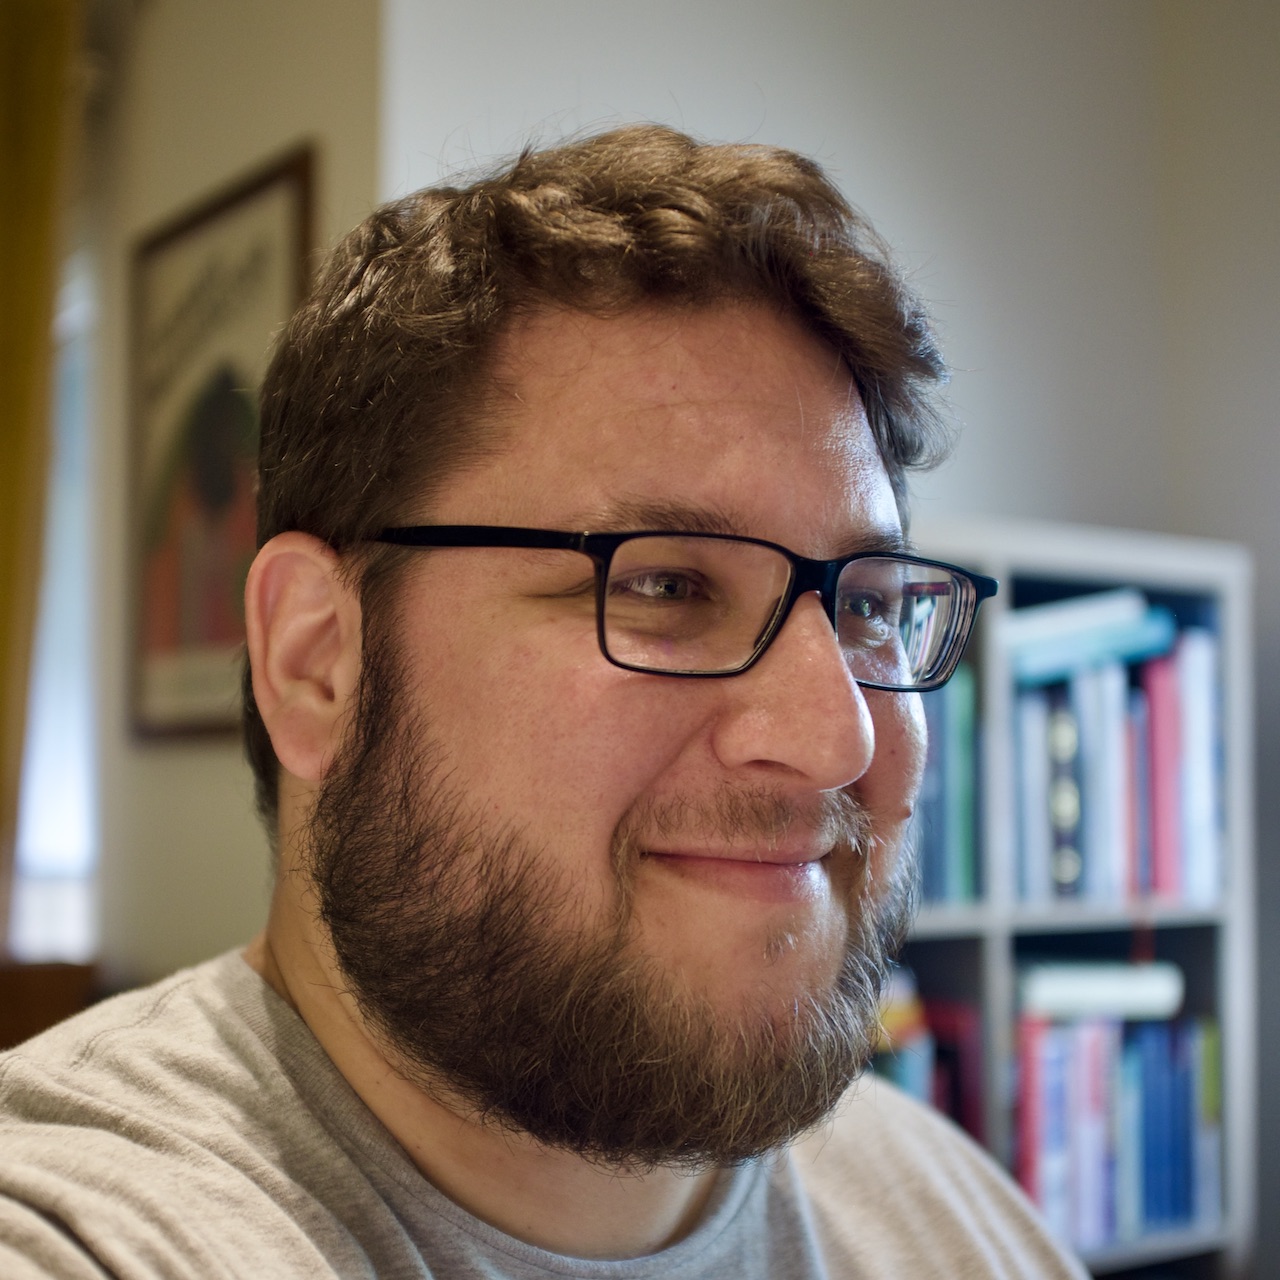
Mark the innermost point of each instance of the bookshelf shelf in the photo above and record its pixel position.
(1077, 917)
(1164, 1246)
(970, 951)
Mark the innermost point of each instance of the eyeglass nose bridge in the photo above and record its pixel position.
(807, 575)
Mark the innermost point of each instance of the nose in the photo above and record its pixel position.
(799, 711)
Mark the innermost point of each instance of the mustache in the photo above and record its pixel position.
(747, 814)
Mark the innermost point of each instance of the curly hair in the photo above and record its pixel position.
(376, 391)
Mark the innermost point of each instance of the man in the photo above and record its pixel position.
(592, 846)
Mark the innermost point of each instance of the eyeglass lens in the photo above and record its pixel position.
(697, 604)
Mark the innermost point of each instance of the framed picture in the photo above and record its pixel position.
(210, 290)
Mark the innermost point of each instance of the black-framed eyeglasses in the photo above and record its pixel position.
(710, 604)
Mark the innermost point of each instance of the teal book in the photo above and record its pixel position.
(948, 797)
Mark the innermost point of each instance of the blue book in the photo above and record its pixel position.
(1129, 1211)
(1182, 1099)
(1153, 1039)
(1055, 659)
(1140, 731)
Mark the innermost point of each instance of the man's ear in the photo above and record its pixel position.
(303, 628)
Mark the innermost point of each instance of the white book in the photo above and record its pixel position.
(1035, 836)
(1066, 990)
(1089, 1110)
(1115, 824)
(1087, 705)
(1196, 657)
(1055, 1151)
(1100, 697)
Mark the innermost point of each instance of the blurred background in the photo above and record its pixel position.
(1087, 194)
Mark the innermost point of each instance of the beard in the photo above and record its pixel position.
(463, 946)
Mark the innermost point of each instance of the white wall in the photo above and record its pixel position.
(1220, 207)
(1005, 147)
(1086, 192)
(207, 92)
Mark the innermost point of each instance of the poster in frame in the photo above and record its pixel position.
(210, 290)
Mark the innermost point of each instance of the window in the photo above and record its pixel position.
(53, 914)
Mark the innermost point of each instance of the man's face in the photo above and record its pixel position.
(717, 853)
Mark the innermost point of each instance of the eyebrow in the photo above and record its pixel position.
(626, 514)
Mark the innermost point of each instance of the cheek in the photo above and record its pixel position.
(888, 789)
(545, 733)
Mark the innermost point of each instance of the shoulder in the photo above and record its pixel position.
(166, 1132)
(153, 1051)
(899, 1187)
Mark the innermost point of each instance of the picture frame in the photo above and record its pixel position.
(210, 289)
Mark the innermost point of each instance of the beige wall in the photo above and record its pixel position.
(205, 92)
(1087, 193)
(1220, 223)
(1005, 147)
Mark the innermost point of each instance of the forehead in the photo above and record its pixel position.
(731, 416)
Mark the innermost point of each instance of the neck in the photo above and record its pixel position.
(553, 1199)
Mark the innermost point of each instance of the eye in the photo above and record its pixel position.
(864, 605)
(660, 586)
(866, 615)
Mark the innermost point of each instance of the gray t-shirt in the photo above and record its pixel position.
(197, 1129)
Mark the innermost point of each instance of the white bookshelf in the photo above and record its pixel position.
(969, 951)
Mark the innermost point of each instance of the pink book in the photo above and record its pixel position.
(1030, 1124)
(1160, 680)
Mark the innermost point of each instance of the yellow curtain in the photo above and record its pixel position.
(38, 47)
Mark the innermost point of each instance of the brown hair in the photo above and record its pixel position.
(375, 393)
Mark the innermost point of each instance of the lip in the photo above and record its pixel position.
(772, 877)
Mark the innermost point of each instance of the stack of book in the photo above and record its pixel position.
(947, 836)
(932, 1049)
(1117, 751)
(1119, 1130)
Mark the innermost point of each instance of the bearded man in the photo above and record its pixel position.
(585, 650)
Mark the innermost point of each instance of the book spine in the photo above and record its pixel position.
(1065, 797)
(930, 810)
(1207, 1124)
(1139, 733)
(1035, 833)
(1129, 1213)
(1029, 1138)
(959, 787)
(1160, 681)
(1196, 659)
(956, 1026)
(1089, 1133)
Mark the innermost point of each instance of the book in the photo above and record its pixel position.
(1155, 1052)
(1129, 1214)
(1035, 834)
(1066, 862)
(1044, 1122)
(1159, 680)
(1093, 1048)
(1139, 782)
(1196, 662)
(1206, 1140)
(1040, 624)
(1070, 989)
(1053, 660)
(1099, 700)
(956, 1028)
(904, 1049)
(947, 804)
